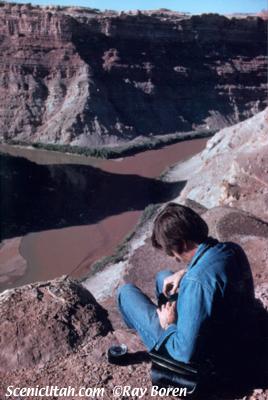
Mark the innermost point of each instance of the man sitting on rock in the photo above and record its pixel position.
(214, 294)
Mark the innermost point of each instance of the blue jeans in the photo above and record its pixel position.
(139, 312)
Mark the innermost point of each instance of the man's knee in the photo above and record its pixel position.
(124, 290)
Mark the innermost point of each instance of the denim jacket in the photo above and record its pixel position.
(213, 294)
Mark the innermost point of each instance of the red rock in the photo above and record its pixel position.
(79, 76)
(41, 322)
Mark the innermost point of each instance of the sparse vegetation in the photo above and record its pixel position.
(117, 151)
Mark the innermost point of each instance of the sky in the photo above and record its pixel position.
(192, 6)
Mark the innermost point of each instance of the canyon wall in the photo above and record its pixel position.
(79, 76)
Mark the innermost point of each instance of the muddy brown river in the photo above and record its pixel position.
(49, 253)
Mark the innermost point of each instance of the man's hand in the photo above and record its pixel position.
(171, 283)
(167, 314)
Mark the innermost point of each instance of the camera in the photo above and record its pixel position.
(162, 299)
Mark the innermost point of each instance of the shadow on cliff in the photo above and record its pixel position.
(152, 72)
(40, 197)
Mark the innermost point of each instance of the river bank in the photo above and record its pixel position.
(132, 147)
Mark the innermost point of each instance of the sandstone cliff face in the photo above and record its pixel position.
(232, 170)
(83, 77)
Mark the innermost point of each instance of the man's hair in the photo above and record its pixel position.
(176, 223)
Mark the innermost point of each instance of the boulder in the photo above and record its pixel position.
(42, 321)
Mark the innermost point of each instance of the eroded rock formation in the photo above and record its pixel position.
(78, 76)
(55, 334)
(40, 322)
(232, 170)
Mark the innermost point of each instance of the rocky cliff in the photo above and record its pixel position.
(57, 332)
(79, 76)
(232, 170)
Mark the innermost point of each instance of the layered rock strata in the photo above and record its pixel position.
(82, 77)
